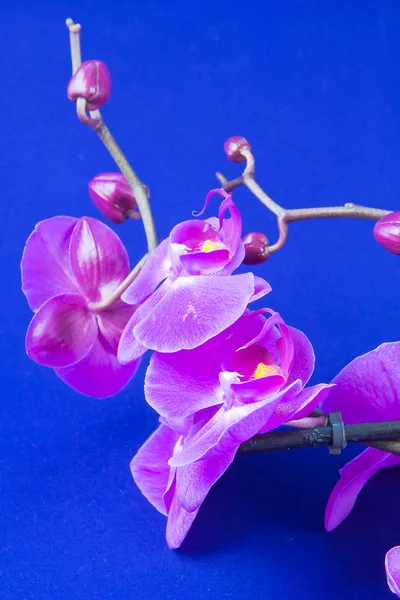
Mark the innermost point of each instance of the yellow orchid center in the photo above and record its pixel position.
(209, 246)
(263, 370)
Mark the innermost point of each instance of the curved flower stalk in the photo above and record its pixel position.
(67, 264)
(249, 379)
(198, 298)
(368, 389)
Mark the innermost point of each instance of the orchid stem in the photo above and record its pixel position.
(96, 122)
(285, 216)
(382, 435)
(116, 295)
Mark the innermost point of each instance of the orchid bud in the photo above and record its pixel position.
(233, 147)
(387, 232)
(113, 197)
(256, 248)
(91, 81)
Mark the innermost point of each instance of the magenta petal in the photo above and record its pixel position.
(113, 321)
(194, 310)
(99, 374)
(150, 469)
(392, 566)
(186, 375)
(129, 347)
(45, 267)
(261, 289)
(62, 332)
(354, 476)
(368, 389)
(303, 357)
(155, 269)
(178, 524)
(205, 263)
(98, 258)
(193, 482)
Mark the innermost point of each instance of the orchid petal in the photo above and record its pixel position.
(197, 309)
(354, 476)
(155, 269)
(149, 467)
(129, 348)
(205, 263)
(113, 320)
(178, 524)
(99, 374)
(303, 357)
(193, 481)
(98, 258)
(240, 423)
(261, 288)
(368, 389)
(392, 566)
(45, 267)
(62, 332)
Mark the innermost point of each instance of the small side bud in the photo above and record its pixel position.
(387, 232)
(256, 248)
(113, 197)
(91, 81)
(233, 147)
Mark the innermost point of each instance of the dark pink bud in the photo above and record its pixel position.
(91, 81)
(256, 248)
(113, 197)
(233, 147)
(387, 232)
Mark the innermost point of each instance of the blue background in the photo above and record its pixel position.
(315, 89)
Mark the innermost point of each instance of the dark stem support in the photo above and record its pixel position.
(382, 435)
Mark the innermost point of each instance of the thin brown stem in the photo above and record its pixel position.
(285, 216)
(95, 121)
(116, 295)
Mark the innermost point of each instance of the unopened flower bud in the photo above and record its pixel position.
(387, 232)
(91, 81)
(113, 197)
(256, 248)
(233, 147)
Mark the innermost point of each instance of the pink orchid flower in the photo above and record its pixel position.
(392, 566)
(247, 380)
(366, 390)
(198, 298)
(67, 264)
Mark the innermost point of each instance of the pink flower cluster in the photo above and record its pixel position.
(220, 373)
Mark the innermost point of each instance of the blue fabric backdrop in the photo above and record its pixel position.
(315, 88)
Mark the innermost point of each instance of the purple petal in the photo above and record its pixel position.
(368, 389)
(193, 482)
(295, 407)
(354, 476)
(45, 267)
(98, 258)
(205, 263)
(231, 233)
(99, 374)
(257, 389)
(150, 469)
(178, 524)
(62, 332)
(154, 270)
(185, 375)
(261, 288)
(129, 347)
(392, 566)
(303, 357)
(239, 423)
(194, 310)
(193, 375)
(113, 321)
